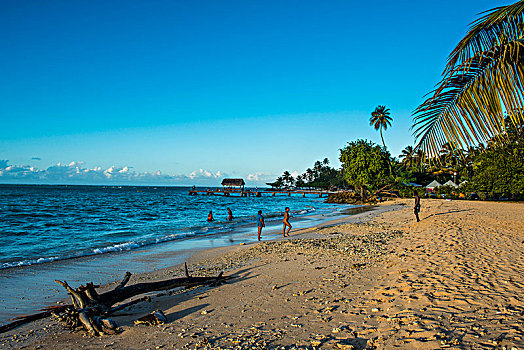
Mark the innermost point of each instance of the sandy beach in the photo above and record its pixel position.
(375, 280)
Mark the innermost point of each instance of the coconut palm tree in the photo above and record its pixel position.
(288, 179)
(380, 119)
(309, 175)
(407, 156)
(483, 79)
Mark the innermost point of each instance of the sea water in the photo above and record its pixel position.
(96, 233)
(39, 224)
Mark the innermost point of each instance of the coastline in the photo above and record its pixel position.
(454, 280)
(32, 287)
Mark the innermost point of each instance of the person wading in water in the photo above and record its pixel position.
(260, 223)
(286, 223)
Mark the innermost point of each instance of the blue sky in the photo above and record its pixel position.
(183, 92)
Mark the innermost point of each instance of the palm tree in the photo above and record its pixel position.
(380, 119)
(484, 78)
(299, 181)
(309, 175)
(317, 169)
(445, 154)
(407, 156)
(420, 159)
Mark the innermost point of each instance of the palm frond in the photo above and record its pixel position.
(483, 80)
(494, 28)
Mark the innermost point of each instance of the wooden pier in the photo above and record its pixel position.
(250, 193)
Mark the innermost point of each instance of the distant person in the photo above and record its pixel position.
(210, 216)
(229, 214)
(416, 208)
(193, 188)
(260, 223)
(286, 223)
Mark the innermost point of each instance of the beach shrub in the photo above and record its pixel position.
(365, 165)
(499, 169)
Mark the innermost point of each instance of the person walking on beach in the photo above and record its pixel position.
(260, 223)
(210, 216)
(229, 214)
(286, 223)
(416, 208)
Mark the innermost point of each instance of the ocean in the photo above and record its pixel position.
(97, 233)
(40, 223)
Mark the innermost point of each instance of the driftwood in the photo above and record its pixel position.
(90, 310)
(18, 321)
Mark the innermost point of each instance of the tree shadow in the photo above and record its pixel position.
(449, 212)
(167, 299)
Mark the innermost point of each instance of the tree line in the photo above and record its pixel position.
(469, 129)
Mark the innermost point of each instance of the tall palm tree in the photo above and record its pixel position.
(309, 174)
(380, 119)
(407, 156)
(484, 78)
(288, 179)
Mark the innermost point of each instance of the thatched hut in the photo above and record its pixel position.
(233, 184)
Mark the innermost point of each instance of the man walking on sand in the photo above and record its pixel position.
(286, 223)
(416, 208)
(260, 223)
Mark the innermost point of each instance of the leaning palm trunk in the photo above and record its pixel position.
(483, 81)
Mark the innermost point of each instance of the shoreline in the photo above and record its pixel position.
(381, 281)
(22, 298)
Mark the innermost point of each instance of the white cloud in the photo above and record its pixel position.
(78, 173)
(205, 174)
(260, 177)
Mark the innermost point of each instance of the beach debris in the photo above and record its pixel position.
(90, 310)
(344, 346)
(155, 318)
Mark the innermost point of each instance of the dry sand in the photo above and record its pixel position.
(380, 281)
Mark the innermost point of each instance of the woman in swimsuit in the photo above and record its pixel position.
(260, 223)
(286, 223)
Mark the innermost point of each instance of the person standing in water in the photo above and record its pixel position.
(416, 208)
(229, 214)
(286, 223)
(210, 216)
(260, 223)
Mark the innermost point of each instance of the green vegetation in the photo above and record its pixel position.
(492, 171)
(470, 130)
(483, 79)
(365, 165)
(499, 169)
(321, 176)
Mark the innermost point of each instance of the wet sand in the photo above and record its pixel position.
(379, 280)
